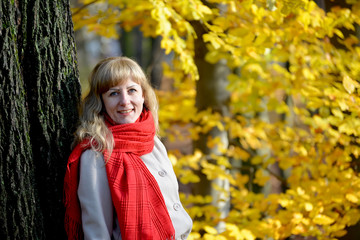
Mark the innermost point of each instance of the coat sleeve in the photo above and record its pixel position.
(95, 197)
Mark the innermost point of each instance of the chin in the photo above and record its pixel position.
(126, 121)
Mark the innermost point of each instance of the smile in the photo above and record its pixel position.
(125, 111)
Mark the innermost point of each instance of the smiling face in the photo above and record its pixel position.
(124, 102)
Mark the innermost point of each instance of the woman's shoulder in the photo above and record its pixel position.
(91, 153)
(91, 157)
(158, 144)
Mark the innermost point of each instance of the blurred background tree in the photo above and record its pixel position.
(259, 106)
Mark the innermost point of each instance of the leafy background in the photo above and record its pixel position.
(269, 147)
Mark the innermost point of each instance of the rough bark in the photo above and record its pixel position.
(39, 94)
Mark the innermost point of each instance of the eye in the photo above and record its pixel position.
(132, 90)
(113, 94)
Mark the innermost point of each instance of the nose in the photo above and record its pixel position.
(124, 99)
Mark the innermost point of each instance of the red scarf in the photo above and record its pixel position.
(136, 196)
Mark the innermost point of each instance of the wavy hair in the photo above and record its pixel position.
(107, 73)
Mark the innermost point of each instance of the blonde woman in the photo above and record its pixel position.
(119, 182)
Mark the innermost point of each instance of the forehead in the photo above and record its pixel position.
(115, 74)
(126, 84)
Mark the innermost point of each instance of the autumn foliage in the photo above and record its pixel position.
(294, 105)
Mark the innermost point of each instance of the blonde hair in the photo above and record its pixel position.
(107, 73)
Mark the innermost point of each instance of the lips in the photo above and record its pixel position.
(125, 111)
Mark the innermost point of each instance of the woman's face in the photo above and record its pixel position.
(124, 102)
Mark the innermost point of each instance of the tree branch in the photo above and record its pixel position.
(83, 7)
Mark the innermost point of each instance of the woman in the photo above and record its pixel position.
(119, 182)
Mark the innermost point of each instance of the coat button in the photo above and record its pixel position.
(177, 206)
(162, 173)
(183, 236)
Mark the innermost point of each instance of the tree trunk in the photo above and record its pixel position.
(211, 93)
(131, 43)
(39, 95)
(146, 51)
(156, 60)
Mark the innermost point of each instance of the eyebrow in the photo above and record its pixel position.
(135, 85)
(131, 86)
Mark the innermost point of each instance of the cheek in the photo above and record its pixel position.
(108, 104)
(141, 102)
(138, 99)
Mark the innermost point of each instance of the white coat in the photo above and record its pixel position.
(98, 216)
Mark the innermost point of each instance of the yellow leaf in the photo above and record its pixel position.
(320, 122)
(339, 33)
(253, 68)
(188, 176)
(300, 191)
(260, 178)
(323, 219)
(247, 234)
(257, 160)
(210, 230)
(216, 29)
(347, 128)
(194, 235)
(291, 6)
(308, 74)
(308, 206)
(352, 198)
(343, 105)
(238, 153)
(338, 113)
(297, 217)
(349, 84)
(204, 9)
(352, 216)
(340, 233)
(241, 179)
(215, 41)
